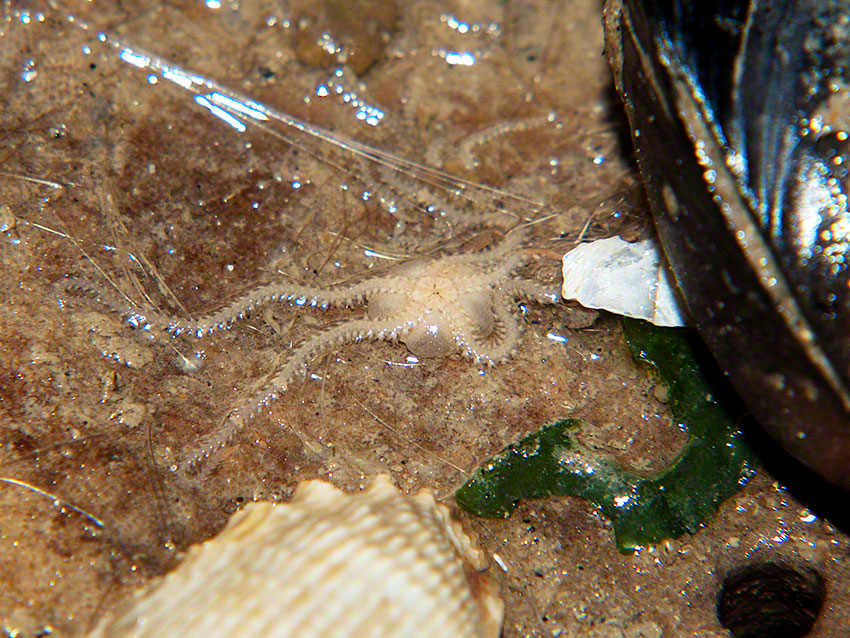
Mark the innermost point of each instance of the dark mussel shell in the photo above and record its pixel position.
(739, 113)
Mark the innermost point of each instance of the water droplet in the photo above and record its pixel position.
(29, 72)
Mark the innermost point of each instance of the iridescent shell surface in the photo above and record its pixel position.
(376, 563)
(739, 115)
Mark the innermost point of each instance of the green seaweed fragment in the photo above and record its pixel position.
(713, 465)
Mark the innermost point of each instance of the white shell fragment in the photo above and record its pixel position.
(374, 564)
(626, 279)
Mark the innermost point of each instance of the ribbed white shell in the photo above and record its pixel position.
(374, 564)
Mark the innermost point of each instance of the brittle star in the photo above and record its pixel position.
(435, 306)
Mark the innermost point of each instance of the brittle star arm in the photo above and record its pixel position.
(504, 257)
(506, 338)
(502, 269)
(305, 296)
(530, 291)
(294, 368)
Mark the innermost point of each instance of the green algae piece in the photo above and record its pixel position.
(643, 509)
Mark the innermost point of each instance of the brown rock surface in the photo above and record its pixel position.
(113, 176)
